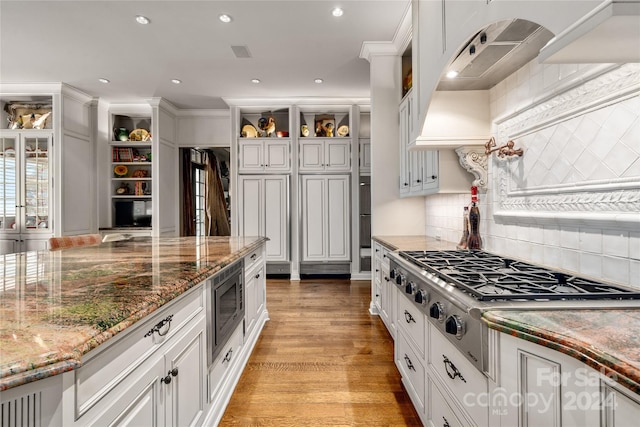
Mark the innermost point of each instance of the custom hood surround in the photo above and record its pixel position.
(594, 118)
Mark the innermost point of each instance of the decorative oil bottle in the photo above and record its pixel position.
(465, 229)
(474, 241)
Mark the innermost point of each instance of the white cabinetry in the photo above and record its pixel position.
(25, 189)
(410, 349)
(384, 292)
(365, 156)
(558, 390)
(264, 155)
(255, 289)
(325, 155)
(419, 169)
(264, 211)
(325, 218)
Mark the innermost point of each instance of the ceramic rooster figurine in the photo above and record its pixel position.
(271, 126)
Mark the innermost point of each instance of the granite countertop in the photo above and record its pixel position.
(55, 306)
(414, 243)
(604, 339)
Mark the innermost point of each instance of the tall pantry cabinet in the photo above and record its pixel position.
(294, 184)
(46, 165)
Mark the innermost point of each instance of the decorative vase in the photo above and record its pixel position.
(121, 134)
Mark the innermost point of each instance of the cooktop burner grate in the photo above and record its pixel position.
(489, 277)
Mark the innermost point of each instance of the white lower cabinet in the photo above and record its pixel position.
(255, 291)
(326, 222)
(411, 367)
(543, 387)
(439, 412)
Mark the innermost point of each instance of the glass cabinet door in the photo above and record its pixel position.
(36, 183)
(8, 183)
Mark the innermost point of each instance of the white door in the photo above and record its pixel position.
(338, 218)
(314, 221)
(338, 155)
(251, 205)
(276, 224)
(404, 154)
(430, 170)
(263, 211)
(251, 156)
(325, 218)
(277, 155)
(415, 171)
(312, 156)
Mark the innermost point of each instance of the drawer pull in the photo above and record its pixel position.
(159, 326)
(254, 256)
(408, 317)
(171, 373)
(446, 423)
(408, 362)
(454, 371)
(227, 357)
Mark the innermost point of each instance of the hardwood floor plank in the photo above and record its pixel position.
(322, 360)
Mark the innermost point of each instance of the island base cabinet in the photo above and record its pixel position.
(167, 390)
(32, 405)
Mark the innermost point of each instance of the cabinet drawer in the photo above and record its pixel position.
(411, 368)
(457, 374)
(252, 259)
(223, 363)
(439, 412)
(411, 319)
(109, 364)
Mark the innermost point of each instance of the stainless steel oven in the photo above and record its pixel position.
(225, 307)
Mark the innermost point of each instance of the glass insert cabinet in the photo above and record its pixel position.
(25, 185)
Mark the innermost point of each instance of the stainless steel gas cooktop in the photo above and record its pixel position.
(489, 277)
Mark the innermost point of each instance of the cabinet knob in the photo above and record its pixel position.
(258, 276)
(171, 373)
(418, 180)
(433, 176)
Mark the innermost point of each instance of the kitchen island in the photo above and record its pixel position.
(61, 312)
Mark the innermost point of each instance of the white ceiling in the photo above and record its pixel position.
(291, 43)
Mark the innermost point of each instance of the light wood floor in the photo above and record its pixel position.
(321, 360)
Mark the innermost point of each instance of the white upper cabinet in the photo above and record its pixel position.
(325, 155)
(264, 155)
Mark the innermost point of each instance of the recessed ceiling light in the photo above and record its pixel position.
(103, 80)
(256, 81)
(318, 81)
(337, 12)
(142, 20)
(452, 74)
(176, 81)
(225, 18)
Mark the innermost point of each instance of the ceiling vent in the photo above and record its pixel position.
(241, 51)
(494, 53)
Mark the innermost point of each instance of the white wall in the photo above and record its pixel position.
(390, 214)
(597, 147)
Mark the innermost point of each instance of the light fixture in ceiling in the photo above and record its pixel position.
(318, 81)
(103, 80)
(255, 81)
(337, 12)
(225, 18)
(142, 20)
(176, 81)
(452, 74)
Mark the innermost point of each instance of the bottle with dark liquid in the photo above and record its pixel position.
(465, 229)
(474, 241)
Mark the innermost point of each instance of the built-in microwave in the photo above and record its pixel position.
(225, 307)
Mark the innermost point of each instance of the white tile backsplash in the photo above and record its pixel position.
(615, 269)
(596, 145)
(569, 238)
(591, 241)
(591, 264)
